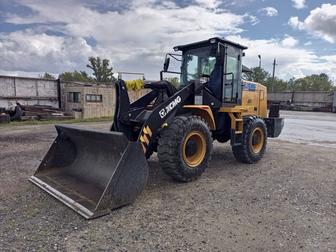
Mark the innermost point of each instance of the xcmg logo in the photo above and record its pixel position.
(164, 112)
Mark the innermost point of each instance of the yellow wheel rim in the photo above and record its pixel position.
(257, 140)
(194, 148)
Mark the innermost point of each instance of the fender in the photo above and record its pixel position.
(203, 111)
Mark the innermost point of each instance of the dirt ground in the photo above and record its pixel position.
(286, 202)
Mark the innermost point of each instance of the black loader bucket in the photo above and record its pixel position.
(92, 172)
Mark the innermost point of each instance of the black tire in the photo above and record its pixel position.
(254, 141)
(185, 148)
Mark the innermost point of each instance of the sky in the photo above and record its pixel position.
(38, 36)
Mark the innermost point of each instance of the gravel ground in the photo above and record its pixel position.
(286, 202)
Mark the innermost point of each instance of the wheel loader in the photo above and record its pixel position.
(94, 172)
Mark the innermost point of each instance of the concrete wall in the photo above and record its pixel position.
(34, 91)
(318, 99)
(28, 91)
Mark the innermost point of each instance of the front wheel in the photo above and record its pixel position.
(254, 141)
(185, 148)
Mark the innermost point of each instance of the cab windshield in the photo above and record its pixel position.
(197, 62)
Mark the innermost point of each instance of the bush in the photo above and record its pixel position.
(134, 84)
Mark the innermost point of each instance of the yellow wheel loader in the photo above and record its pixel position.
(94, 172)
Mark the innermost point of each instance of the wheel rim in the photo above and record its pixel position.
(257, 140)
(194, 148)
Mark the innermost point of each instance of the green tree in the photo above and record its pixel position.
(80, 76)
(47, 76)
(291, 84)
(101, 69)
(259, 75)
(277, 84)
(315, 82)
(175, 81)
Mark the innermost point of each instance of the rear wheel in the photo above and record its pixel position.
(254, 141)
(185, 148)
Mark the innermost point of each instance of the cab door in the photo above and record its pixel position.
(232, 84)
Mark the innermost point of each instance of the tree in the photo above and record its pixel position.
(175, 81)
(291, 84)
(101, 69)
(81, 76)
(47, 76)
(315, 82)
(276, 85)
(259, 75)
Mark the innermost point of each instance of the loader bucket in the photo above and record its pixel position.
(92, 172)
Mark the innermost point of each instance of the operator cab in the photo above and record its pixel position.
(216, 61)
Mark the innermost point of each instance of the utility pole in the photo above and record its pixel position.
(259, 56)
(273, 76)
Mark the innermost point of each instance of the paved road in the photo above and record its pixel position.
(312, 128)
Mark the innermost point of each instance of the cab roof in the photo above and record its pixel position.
(210, 41)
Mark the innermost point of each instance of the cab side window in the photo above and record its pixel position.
(231, 74)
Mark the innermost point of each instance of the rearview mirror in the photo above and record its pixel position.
(166, 64)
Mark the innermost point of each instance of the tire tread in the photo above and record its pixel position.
(242, 152)
(169, 145)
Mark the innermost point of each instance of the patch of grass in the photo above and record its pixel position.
(54, 121)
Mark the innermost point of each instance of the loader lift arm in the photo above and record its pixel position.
(141, 124)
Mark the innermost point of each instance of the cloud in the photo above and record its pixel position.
(208, 3)
(299, 4)
(135, 38)
(289, 41)
(292, 61)
(239, 3)
(252, 19)
(269, 11)
(28, 51)
(295, 23)
(330, 58)
(321, 22)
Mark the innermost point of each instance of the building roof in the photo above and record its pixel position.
(246, 69)
(208, 42)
